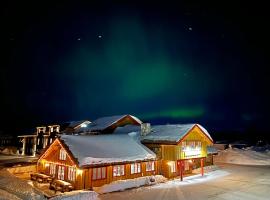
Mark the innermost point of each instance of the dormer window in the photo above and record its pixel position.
(63, 154)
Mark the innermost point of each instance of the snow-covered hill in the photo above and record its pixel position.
(246, 156)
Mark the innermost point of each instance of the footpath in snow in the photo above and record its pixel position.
(245, 156)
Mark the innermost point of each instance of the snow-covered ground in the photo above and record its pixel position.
(245, 156)
(15, 188)
(248, 180)
(227, 183)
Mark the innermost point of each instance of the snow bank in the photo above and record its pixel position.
(77, 195)
(130, 183)
(18, 187)
(246, 156)
(9, 151)
(22, 169)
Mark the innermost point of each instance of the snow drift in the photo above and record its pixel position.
(130, 183)
(247, 156)
(77, 195)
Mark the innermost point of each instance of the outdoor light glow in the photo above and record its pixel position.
(47, 164)
(79, 172)
(84, 125)
(170, 163)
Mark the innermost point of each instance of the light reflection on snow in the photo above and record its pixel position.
(196, 179)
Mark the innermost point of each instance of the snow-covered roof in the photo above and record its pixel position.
(127, 129)
(106, 149)
(74, 124)
(171, 133)
(105, 122)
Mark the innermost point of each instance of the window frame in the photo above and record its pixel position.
(120, 170)
(148, 164)
(71, 173)
(62, 154)
(52, 169)
(173, 167)
(61, 172)
(137, 168)
(99, 173)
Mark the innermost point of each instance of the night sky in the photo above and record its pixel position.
(164, 63)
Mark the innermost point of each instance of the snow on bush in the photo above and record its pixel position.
(130, 183)
(246, 156)
(77, 195)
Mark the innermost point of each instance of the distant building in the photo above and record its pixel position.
(34, 143)
(109, 124)
(74, 127)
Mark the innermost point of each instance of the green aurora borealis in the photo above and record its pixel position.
(76, 62)
(130, 70)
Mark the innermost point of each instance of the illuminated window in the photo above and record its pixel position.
(99, 173)
(173, 166)
(135, 168)
(52, 169)
(118, 170)
(62, 155)
(71, 173)
(150, 166)
(199, 144)
(61, 172)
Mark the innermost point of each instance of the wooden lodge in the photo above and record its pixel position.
(122, 147)
(179, 148)
(89, 161)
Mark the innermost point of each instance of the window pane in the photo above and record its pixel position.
(98, 173)
(122, 169)
(132, 170)
(139, 167)
(114, 170)
(103, 172)
(94, 176)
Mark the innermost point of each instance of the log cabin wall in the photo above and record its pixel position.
(110, 177)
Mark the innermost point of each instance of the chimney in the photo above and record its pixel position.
(145, 129)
